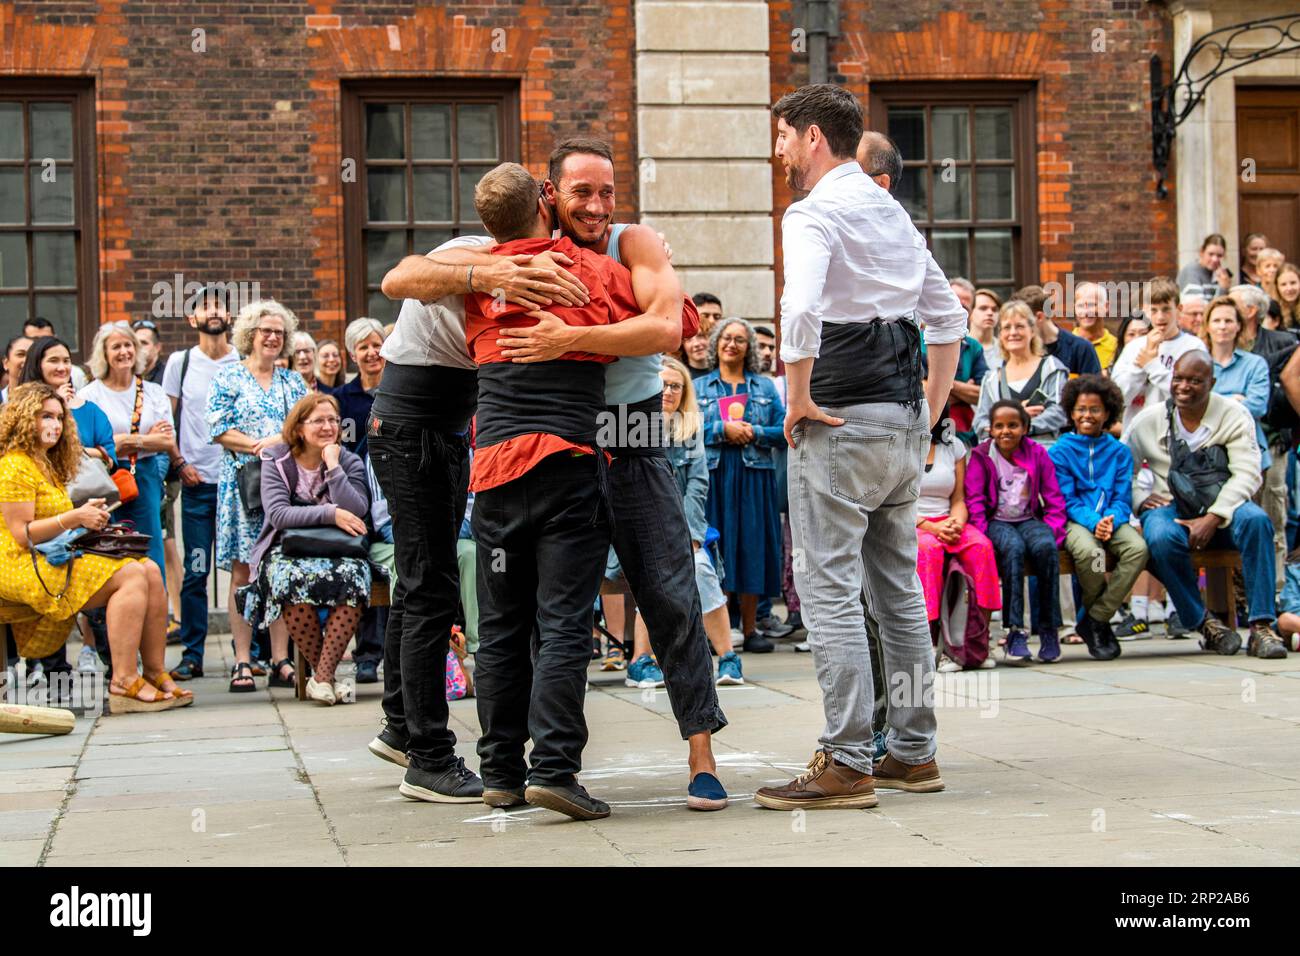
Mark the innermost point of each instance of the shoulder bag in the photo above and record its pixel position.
(92, 480)
(124, 478)
(249, 475)
(1195, 477)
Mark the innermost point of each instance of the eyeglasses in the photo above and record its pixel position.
(673, 386)
(733, 340)
(298, 352)
(271, 333)
(321, 422)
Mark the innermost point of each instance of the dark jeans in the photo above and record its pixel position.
(424, 475)
(370, 636)
(198, 534)
(1019, 546)
(654, 547)
(541, 544)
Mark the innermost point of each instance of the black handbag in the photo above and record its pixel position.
(1195, 477)
(249, 477)
(324, 542)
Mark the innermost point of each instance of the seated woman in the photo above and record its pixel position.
(943, 528)
(1013, 497)
(1027, 374)
(1095, 473)
(311, 481)
(39, 455)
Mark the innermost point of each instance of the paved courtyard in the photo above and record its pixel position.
(1166, 756)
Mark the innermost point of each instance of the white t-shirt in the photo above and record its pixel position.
(196, 448)
(1195, 440)
(120, 407)
(935, 497)
(1145, 386)
(433, 333)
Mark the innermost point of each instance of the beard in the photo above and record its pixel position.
(215, 326)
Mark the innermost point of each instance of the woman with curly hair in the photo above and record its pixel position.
(1095, 473)
(39, 454)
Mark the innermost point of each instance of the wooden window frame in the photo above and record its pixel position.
(81, 92)
(1021, 96)
(356, 94)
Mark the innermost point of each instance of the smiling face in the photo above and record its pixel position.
(1288, 286)
(1192, 380)
(16, 357)
(320, 427)
(1212, 256)
(304, 362)
(120, 352)
(1089, 307)
(367, 356)
(1016, 335)
(1268, 268)
(583, 198)
(1006, 428)
(330, 359)
(49, 424)
(268, 337)
(673, 389)
(56, 366)
(1191, 315)
(1253, 248)
(1136, 329)
(1089, 415)
(210, 317)
(697, 350)
(733, 344)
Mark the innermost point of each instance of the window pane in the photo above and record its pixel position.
(907, 129)
(426, 240)
(951, 139)
(51, 201)
(384, 139)
(469, 177)
(992, 133)
(1004, 291)
(476, 132)
(951, 192)
(993, 254)
(11, 130)
(384, 247)
(433, 194)
(51, 131)
(386, 189)
(54, 258)
(13, 311)
(13, 260)
(996, 199)
(431, 131)
(381, 307)
(61, 310)
(11, 196)
(949, 248)
(911, 191)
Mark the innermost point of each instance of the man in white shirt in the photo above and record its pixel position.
(858, 281)
(1146, 365)
(186, 380)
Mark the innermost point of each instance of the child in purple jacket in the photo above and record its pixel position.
(1013, 497)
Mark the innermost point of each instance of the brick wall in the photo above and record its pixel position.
(1097, 212)
(224, 165)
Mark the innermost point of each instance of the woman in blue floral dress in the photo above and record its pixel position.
(247, 405)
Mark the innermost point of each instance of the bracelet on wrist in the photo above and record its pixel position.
(469, 278)
(59, 519)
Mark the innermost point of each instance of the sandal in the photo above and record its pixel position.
(187, 669)
(173, 630)
(184, 697)
(130, 701)
(277, 669)
(1072, 639)
(241, 679)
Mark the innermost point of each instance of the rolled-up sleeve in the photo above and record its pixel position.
(806, 254)
(939, 308)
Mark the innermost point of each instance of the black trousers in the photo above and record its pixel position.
(424, 474)
(653, 545)
(541, 543)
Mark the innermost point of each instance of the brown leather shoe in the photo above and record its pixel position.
(825, 785)
(892, 774)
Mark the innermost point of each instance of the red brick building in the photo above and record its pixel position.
(305, 145)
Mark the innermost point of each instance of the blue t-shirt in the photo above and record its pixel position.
(633, 378)
(94, 428)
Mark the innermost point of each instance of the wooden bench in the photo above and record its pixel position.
(1218, 567)
(379, 597)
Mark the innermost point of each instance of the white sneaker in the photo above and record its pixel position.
(803, 647)
(35, 674)
(88, 661)
(948, 666)
(737, 638)
(320, 691)
(988, 664)
(1155, 613)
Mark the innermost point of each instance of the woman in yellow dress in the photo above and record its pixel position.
(39, 455)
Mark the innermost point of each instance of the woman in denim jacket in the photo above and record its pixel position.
(743, 423)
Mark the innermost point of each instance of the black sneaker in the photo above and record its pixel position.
(454, 784)
(368, 672)
(773, 627)
(1218, 637)
(389, 746)
(1106, 646)
(1264, 642)
(504, 797)
(1175, 629)
(756, 643)
(795, 620)
(573, 801)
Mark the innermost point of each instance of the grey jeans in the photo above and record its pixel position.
(853, 495)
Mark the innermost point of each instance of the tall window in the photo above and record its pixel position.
(47, 182)
(968, 175)
(420, 150)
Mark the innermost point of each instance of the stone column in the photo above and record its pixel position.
(704, 137)
(1197, 182)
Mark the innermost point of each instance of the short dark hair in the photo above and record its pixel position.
(1015, 406)
(573, 146)
(39, 322)
(31, 370)
(884, 158)
(706, 298)
(506, 201)
(832, 109)
(1033, 296)
(1106, 390)
(764, 330)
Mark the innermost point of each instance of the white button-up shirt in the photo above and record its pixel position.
(433, 333)
(852, 255)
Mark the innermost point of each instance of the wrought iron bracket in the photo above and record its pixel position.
(1223, 51)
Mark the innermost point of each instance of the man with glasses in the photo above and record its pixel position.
(186, 380)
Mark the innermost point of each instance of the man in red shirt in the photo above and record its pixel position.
(539, 522)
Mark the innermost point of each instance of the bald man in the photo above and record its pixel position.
(880, 159)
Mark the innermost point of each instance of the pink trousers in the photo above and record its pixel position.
(976, 553)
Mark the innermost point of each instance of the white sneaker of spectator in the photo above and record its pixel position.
(88, 661)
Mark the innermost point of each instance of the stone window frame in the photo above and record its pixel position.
(1021, 97)
(356, 96)
(79, 92)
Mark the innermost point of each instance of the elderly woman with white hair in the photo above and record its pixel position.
(247, 405)
(363, 339)
(141, 416)
(302, 359)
